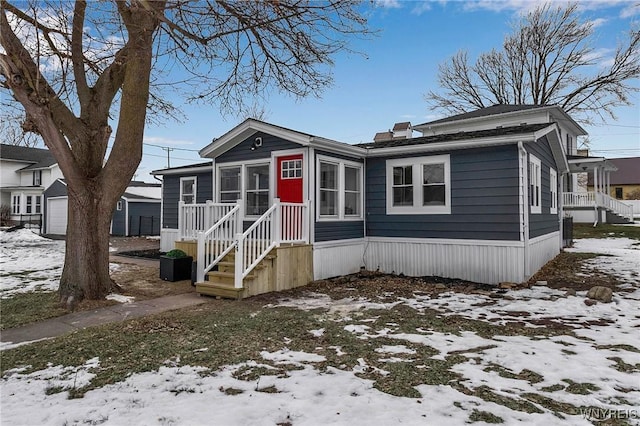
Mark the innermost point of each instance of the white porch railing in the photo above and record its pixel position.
(597, 199)
(194, 218)
(215, 243)
(282, 222)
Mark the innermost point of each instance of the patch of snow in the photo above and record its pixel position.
(120, 298)
(317, 333)
(288, 356)
(397, 349)
(622, 260)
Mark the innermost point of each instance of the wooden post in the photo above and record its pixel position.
(239, 266)
(181, 220)
(201, 256)
(277, 238)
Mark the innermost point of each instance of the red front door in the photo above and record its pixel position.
(290, 179)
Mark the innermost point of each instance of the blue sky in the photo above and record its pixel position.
(387, 83)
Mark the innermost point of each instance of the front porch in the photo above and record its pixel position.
(272, 254)
(595, 206)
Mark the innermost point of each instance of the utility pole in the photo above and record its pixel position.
(168, 157)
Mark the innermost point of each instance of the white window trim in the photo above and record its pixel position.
(553, 186)
(243, 172)
(341, 163)
(195, 187)
(119, 205)
(534, 164)
(16, 207)
(37, 205)
(417, 163)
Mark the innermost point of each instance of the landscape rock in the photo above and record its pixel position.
(590, 302)
(570, 292)
(440, 286)
(544, 283)
(600, 293)
(507, 285)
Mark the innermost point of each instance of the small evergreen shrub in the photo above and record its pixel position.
(176, 254)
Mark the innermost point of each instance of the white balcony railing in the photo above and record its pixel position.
(194, 218)
(597, 199)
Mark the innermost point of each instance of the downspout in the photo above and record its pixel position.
(525, 208)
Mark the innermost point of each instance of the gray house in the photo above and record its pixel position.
(137, 212)
(476, 197)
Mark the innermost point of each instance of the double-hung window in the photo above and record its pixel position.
(37, 177)
(535, 184)
(15, 203)
(230, 182)
(257, 189)
(553, 187)
(29, 205)
(249, 182)
(420, 185)
(339, 189)
(38, 206)
(188, 190)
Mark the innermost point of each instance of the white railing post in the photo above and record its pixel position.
(239, 266)
(181, 220)
(207, 215)
(201, 255)
(240, 224)
(305, 221)
(277, 232)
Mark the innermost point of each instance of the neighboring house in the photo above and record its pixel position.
(137, 212)
(623, 183)
(476, 197)
(24, 174)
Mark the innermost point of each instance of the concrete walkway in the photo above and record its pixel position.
(80, 320)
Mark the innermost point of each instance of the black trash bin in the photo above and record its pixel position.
(567, 232)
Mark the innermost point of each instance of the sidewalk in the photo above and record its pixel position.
(80, 320)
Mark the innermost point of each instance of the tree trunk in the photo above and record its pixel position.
(86, 268)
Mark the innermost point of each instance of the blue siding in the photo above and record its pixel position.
(545, 222)
(243, 152)
(171, 194)
(337, 230)
(118, 221)
(144, 218)
(484, 199)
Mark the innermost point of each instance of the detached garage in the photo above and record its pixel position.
(137, 212)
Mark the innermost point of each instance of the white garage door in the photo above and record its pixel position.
(57, 216)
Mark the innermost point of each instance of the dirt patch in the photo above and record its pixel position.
(567, 270)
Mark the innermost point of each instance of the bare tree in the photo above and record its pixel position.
(549, 59)
(74, 66)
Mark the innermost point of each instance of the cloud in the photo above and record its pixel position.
(388, 4)
(630, 11)
(421, 7)
(598, 22)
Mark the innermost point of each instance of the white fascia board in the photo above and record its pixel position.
(555, 144)
(138, 200)
(448, 146)
(247, 128)
(182, 170)
(427, 126)
(338, 147)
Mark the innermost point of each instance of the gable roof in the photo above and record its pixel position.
(38, 157)
(251, 126)
(459, 136)
(498, 109)
(181, 169)
(504, 110)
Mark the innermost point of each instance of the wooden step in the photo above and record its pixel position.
(226, 278)
(219, 290)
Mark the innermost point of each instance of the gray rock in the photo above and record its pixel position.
(600, 293)
(589, 302)
(570, 292)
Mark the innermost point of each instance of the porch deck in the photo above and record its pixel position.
(273, 254)
(595, 200)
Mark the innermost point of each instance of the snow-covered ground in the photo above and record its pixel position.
(29, 262)
(597, 358)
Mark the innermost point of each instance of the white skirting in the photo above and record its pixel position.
(167, 239)
(335, 258)
(488, 262)
(543, 249)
